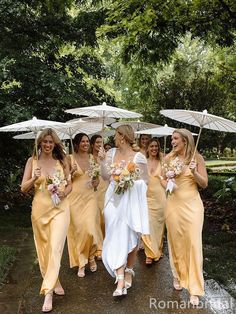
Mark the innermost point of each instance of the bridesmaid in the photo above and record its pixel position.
(96, 143)
(156, 198)
(85, 233)
(184, 216)
(143, 143)
(50, 217)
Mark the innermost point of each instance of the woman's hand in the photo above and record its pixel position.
(37, 173)
(95, 182)
(101, 154)
(61, 194)
(193, 166)
(199, 172)
(74, 168)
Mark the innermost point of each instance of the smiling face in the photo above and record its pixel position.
(84, 144)
(47, 144)
(144, 139)
(178, 143)
(98, 144)
(153, 149)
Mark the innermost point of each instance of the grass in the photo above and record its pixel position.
(7, 256)
(15, 220)
(219, 255)
(14, 224)
(219, 162)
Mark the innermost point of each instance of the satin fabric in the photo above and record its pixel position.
(100, 194)
(50, 226)
(184, 220)
(126, 219)
(84, 233)
(156, 198)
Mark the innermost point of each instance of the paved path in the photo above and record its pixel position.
(152, 291)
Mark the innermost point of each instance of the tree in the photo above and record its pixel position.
(198, 77)
(47, 64)
(151, 29)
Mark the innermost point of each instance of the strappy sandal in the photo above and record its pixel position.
(148, 261)
(119, 291)
(177, 284)
(93, 265)
(59, 291)
(81, 272)
(129, 271)
(194, 300)
(47, 305)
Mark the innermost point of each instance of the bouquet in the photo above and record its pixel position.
(94, 170)
(124, 175)
(54, 183)
(172, 170)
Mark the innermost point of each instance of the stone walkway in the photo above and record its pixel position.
(152, 291)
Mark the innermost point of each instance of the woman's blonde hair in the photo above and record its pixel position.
(128, 133)
(188, 139)
(58, 152)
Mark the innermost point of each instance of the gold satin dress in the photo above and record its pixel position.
(184, 221)
(84, 233)
(101, 191)
(50, 225)
(156, 198)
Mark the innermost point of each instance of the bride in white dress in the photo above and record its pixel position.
(126, 214)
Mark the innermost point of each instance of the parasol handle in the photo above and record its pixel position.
(36, 146)
(103, 125)
(164, 146)
(195, 149)
(72, 146)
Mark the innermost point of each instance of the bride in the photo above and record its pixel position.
(126, 213)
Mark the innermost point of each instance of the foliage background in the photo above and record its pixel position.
(141, 55)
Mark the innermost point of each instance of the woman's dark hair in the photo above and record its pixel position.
(159, 153)
(77, 139)
(94, 138)
(140, 137)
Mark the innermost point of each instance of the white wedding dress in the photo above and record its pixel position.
(126, 216)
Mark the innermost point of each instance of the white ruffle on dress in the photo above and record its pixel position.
(126, 219)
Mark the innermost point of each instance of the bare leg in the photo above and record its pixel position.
(121, 283)
(131, 257)
(130, 263)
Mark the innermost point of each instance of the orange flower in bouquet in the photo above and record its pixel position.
(124, 174)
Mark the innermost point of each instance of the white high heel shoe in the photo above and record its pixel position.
(122, 291)
(130, 271)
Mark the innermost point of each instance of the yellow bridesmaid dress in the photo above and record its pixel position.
(101, 191)
(184, 221)
(156, 198)
(50, 225)
(84, 235)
